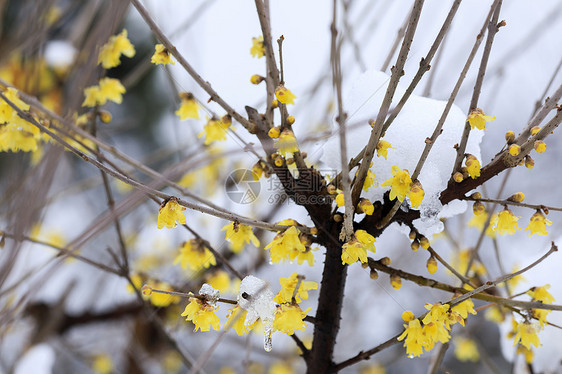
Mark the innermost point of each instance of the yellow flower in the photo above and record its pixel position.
(110, 53)
(356, 248)
(540, 315)
(219, 280)
(507, 223)
(137, 283)
(238, 235)
(479, 221)
(472, 166)
(161, 299)
(103, 364)
(236, 319)
(541, 294)
(466, 349)
(413, 334)
(286, 245)
(170, 212)
(215, 130)
(374, 368)
(416, 194)
(369, 180)
(13, 138)
(527, 334)
(258, 48)
(9, 114)
(201, 314)
(288, 286)
(281, 368)
(289, 318)
(537, 224)
(284, 95)
(195, 255)
(399, 183)
(436, 323)
(161, 56)
(189, 108)
(287, 143)
(464, 308)
(528, 353)
(107, 89)
(382, 148)
(478, 120)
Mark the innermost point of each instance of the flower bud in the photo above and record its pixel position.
(509, 137)
(535, 129)
(457, 177)
(146, 290)
(373, 274)
(412, 235)
(529, 162)
(332, 190)
(274, 104)
(478, 208)
(395, 281)
(256, 79)
(105, 116)
(274, 132)
(431, 265)
(338, 217)
(476, 195)
(514, 149)
(385, 261)
(290, 120)
(415, 245)
(517, 197)
(424, 242)
(540, 146)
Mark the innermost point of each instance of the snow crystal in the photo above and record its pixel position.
(211, 295)
(256, 299)
(415, 122)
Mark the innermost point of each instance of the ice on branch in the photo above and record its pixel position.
(256, 298)
(407, 134)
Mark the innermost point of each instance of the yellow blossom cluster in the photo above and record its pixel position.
(289, 318)
(195, 255)
(286, 143)
(215, 129)
(189, 108)
(258, 48)
(290, 244)
(436, 326)
(107, 89)
(357, 247)
(110, 53)
(288, 289)
(238, 235)
(477, 119)
(284, 96)
(161, 56)
(202, 314)
(401, 185)
(170, 212)
(16, 134)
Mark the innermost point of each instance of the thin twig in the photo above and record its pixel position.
(397, 72)
(190, 70)
(493, 28)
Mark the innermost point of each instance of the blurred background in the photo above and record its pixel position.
(67, 315)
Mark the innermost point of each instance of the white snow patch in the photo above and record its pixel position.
(415, 122)
(211, 294)
(38, 360)
(256, 298)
